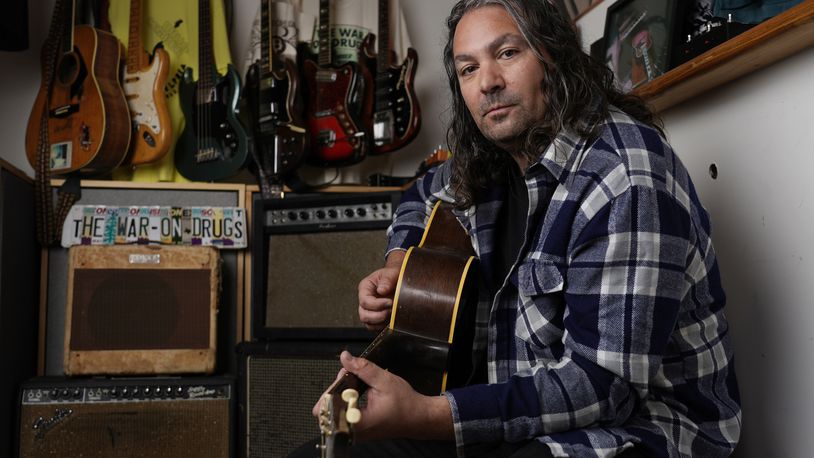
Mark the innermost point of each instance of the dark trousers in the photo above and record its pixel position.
(405, 448)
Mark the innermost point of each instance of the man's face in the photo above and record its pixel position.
(499, 74)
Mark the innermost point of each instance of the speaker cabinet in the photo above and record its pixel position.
(309, 253)
(230, 307)
(279, 384)
(141, 309)
(19, 292)
(127, 418)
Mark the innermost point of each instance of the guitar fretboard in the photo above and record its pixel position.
(324, 34)
(206, 58)
(383, 55)
(134, 38)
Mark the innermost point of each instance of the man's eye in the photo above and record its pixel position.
(509, 53)
(467, 70)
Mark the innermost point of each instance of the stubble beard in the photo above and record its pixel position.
(507, 133)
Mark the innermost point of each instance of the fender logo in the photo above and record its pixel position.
(42, 425)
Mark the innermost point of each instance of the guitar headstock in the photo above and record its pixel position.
(337, 415)
(438, 156)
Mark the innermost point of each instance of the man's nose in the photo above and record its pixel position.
(491, 78)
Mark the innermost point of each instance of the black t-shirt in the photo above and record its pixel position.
(511, 225)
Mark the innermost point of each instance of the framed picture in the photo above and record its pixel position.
(639, 38)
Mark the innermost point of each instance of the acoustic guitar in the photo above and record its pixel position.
(428, 341)
(80, 103)
(339, 103)
(213, 144)
(144, 80)
(396, 115)
(280, 138)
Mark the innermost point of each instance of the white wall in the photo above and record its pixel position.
(757, 131)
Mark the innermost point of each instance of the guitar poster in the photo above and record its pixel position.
(221, 227)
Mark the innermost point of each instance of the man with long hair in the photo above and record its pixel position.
(600, 330)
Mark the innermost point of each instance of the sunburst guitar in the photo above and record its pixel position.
(143, 84)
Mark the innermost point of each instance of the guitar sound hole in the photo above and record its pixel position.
(67, 69)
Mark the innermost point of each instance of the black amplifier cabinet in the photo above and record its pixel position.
(124, 418)
(309, 253)
(280, 381)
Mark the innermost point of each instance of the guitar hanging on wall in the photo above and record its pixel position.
(80, 104)
(280, 139)
(213, 144)
(397, 116)
(339, 103)
(144, 80)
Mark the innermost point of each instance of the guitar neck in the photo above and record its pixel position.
(206, 57)
(324, 33)
(383, 55)
(65, 31)
(135, 55)
(266, 45)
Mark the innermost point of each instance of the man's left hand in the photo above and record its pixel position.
(394, 409)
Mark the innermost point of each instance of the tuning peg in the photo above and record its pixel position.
(353, 414)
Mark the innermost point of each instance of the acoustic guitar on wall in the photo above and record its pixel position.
(213, 144)
(80, 103)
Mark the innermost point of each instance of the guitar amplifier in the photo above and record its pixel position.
(309, 253)
(141, 309)
(280, 381)
(127, 418)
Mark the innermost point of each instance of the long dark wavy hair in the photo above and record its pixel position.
(578, 90)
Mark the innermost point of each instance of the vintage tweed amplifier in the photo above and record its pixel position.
(127, 418)
(141, 309)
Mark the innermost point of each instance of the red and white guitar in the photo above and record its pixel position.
(143, 84)
(339, 103)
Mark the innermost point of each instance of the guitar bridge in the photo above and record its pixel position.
(326, 76)
(206, 155)
(326, 138)
(383, 127)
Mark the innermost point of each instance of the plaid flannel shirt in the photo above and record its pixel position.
(609, 330)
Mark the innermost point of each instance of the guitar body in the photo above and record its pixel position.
(279, 132)
(88, 118)
(213, 144)
(152, 128)
(428, 341)
(397, 115)
(339, 104)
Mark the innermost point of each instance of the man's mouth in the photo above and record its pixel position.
(497, 109)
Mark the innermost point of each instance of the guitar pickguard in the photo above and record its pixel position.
(138, 88)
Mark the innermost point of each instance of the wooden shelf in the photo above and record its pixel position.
(781, 36)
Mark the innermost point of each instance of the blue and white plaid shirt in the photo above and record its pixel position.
(609, 330)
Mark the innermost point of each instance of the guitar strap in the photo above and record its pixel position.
(49, 222)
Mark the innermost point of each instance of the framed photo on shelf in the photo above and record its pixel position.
(639, 39)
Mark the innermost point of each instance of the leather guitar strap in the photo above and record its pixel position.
(49, 223)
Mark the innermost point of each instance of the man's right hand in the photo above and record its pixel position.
(376, 293)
